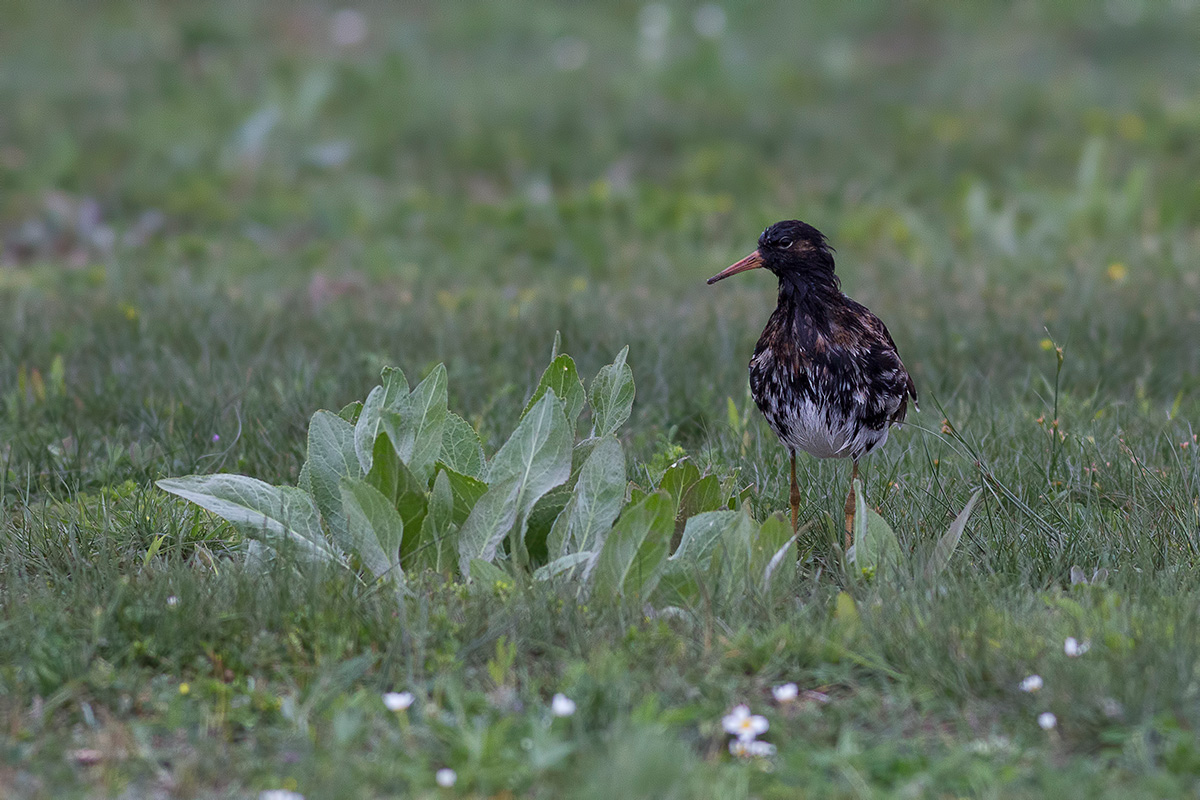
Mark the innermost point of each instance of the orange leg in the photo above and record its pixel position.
(850, 506)
(795, 496)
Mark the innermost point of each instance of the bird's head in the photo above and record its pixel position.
(790, 249)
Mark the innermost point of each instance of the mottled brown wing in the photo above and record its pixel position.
(889, 367)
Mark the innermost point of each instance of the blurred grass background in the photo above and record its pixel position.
(217, 217)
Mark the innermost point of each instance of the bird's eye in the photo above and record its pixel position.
(784, 244)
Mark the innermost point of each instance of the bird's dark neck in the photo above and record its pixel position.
(807, 290)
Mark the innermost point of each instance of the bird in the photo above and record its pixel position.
(825, 372)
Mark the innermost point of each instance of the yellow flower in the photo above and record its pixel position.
(1117, 272)
(184, 688)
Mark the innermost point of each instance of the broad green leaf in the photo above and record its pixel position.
(387, 397)
(535, 459)
(461, 449)
(678, 587)
(541, 518)
(396, 482)
(731, 572)
(631, 562)
(563, 378)
(437, 549)
(703, 495)
(466, 491)
(373, 529)
(611, 396)
(596, 502)
(562, 566)
(949, 540)
(331, 457)
(701, 534)
(418, 438)
(278, 515)
(875, 547)
(678, 478)
(773, 559)
(697, 561)
(304, 480)
(350, 411)
(484, 573)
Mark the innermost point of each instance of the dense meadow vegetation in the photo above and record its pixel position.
(222, 224)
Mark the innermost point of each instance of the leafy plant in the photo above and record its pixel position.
(399, 483)
(876, 549)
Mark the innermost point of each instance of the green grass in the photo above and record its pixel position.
(998, 182)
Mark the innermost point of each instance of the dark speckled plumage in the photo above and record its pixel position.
(825, 373)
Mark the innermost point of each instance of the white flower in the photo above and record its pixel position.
(562, 706)
(397, 701)
(279, 794)
(446, 777)
(1047, 720)
(172, 601)
(1032, 683)
(785, 692)
(751, 748)
(1073, 647)
(744, 725)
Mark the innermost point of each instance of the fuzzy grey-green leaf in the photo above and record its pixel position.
(611, 396)
(562, 377)
(875, 546)
(461, 449)
(374, 529)
(331, 456)
(535, 459)
(423, 418)
(631, 562)
(949, 540)
(277, 515)
(596, 502)
(387, 397)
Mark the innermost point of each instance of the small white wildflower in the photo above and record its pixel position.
(397, 701)
(562, 706)
(1073, 647)
(446, 777)
(786, 692)
(172, 601)
(744, 725)
(751, 748)
(1032, 683)
(279, 794)
(1047, 720)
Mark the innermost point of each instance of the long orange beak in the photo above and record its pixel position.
(752, 261)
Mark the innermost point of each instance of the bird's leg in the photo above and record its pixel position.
(795, 498)
(850, 504)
